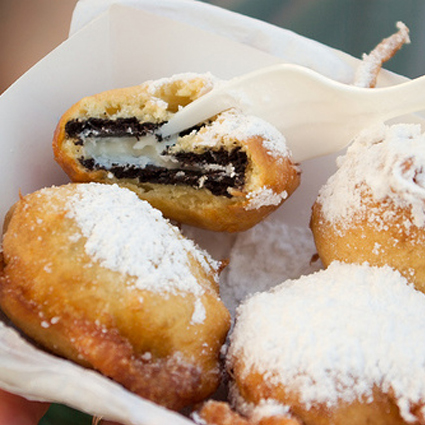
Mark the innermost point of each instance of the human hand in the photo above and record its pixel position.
(16, 410)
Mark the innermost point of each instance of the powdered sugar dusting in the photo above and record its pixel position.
(263, 197)
(199, 314)
(233, 125)
(321, 335)
(389, 163)
(127, 235)
(263, 257)
(267, 409)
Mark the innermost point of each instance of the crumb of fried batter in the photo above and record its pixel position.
(367, 73)
(220, 413)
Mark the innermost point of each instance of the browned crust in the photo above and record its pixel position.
(362, 241)
(219, 413)
(382, 410)
(168, 381)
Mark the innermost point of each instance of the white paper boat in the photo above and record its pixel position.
(125, 46)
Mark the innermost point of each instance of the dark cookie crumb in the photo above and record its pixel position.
(99, 127)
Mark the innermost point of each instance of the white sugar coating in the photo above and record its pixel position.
(199, 313)
(264, 197)
(233, 125)
(388, 162)
(334, 334)
(127, 235)
(263, 257)
(256, 412)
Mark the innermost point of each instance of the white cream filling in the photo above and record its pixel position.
(129, 151)
(146, 150)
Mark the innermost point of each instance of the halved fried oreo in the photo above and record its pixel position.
(226, 174)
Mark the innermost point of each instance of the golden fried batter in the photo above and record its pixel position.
(219, 413)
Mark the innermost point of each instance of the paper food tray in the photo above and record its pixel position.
(122, 47)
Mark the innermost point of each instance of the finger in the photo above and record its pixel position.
(15, 410)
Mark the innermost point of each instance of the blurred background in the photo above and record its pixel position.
(353, 26)
(29, 29)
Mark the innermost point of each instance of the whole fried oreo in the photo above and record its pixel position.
(96, 275)
(373, 208)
